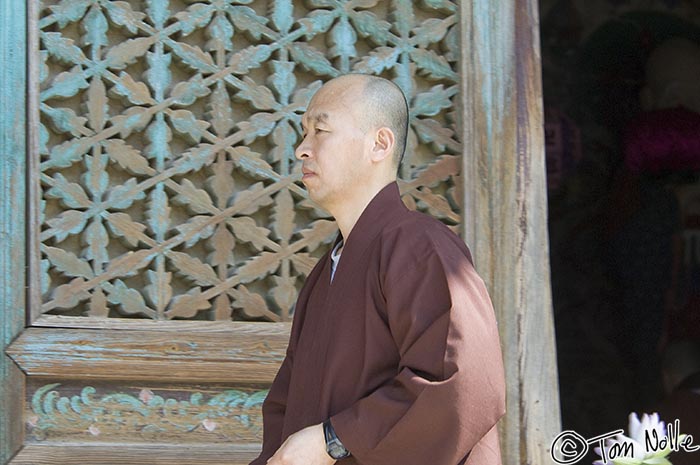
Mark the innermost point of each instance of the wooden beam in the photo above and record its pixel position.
(506, 211)
(250, 354)
(135, 454)
(13, 137)
(142, 324)
(33, 170)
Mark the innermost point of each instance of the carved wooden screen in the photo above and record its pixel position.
(165, 189)
(168, 182)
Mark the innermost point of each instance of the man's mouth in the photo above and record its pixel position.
(307, 173)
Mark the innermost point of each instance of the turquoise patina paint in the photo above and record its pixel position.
(13, 47)
(188, 116)
(129, 413)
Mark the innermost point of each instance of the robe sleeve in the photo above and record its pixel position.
(273, 409)
(275, 404)
(449, 390)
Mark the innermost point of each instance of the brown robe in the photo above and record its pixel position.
(401, 350)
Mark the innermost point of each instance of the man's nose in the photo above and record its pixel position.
(302, 151)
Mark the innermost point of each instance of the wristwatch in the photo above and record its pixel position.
(334, 447)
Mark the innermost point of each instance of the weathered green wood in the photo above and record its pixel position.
(505, 211)
(244, 353)
(12, 215)
(127, 412)
(136, 454)
(122, 233)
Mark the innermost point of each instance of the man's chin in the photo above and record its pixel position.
(311, 183)
(315, 194)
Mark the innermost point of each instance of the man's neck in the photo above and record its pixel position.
(347, 215)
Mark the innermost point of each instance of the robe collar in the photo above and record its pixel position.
(384, 208)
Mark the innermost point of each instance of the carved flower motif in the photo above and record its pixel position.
(209, 425)
(146, 395)
(33, 421)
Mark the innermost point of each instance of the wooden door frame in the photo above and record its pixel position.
(13, 149)
(504, 208)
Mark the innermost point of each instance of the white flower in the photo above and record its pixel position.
(631, 450)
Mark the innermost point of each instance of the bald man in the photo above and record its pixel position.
(394, 356)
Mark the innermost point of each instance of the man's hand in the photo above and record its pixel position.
(305, 447)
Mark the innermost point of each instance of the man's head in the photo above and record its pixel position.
(354, 137)
(387, 107)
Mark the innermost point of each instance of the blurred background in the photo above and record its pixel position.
(621, 82)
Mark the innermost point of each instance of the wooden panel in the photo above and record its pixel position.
(251, 353)
(505, 211)
(142, 412)
(34, 137)
(13, 137)
(135, 454)
(168, 185)
(88, 322)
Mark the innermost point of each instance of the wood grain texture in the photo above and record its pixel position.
(13, 49)
(505, 211)
(60, 321)
(127, 412)
(33, 190)
(135, 454)
(250, 354)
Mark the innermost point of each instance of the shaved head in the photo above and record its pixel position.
(383, 104)
(387, 106)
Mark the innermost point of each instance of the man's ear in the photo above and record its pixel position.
(384, 143)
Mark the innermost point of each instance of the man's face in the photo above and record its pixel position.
(334, 148)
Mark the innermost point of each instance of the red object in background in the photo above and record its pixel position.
(663, 141)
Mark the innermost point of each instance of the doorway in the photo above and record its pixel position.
(623, 190)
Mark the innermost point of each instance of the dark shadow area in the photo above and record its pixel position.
(621, 82)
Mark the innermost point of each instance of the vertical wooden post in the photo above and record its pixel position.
(12, 216)
(506, 211)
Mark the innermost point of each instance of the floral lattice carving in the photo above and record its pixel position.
(167, 135)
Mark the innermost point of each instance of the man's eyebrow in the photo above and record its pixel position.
(321, 118)
(316, 118)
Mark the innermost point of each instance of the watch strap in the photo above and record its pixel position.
(334, 447)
